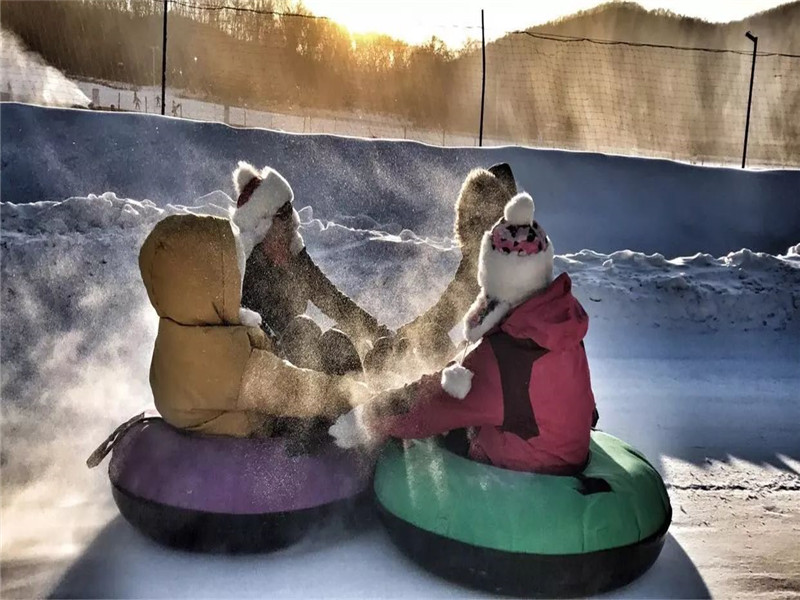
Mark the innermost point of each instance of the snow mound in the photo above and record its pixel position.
(92, 213)
(742, 290)
(793, 252)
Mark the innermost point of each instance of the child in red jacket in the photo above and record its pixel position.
(523, 392)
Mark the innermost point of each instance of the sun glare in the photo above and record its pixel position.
(416, 21)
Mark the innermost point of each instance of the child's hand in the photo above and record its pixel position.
(349, 430)
(457, 381)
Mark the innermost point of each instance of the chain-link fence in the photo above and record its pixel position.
(651, 100)
(249, 64)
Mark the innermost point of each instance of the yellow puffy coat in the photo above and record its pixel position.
(209, 372)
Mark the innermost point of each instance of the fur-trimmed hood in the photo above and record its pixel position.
(552, 319)
(515, 263)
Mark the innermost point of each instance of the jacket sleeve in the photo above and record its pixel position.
(430, 331)
(424, 408)
(278, 388)
(349, 317)
(259, 339)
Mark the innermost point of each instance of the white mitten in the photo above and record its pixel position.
(249, 318)
(350, 430)
(457, 381)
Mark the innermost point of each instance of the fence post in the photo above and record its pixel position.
(483, 79)
(754, 39)
(164, 61)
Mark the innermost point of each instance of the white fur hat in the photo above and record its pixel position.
(260, 195)
(516, 258)
(516, 261)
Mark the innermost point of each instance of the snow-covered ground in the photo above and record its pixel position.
(354, 123)
(25, 77)
(695, 360)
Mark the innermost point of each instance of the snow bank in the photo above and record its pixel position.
(378, 264)
(98, 214)
(583, 200)
(742, 290)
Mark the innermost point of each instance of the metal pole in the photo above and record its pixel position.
(164, 62)
(483, 78)
(754, 39)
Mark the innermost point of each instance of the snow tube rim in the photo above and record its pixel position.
(466, 509)
(487, 569)
(243, 533)
(202, 472)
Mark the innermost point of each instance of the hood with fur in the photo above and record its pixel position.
(190, 270)
(554, 319)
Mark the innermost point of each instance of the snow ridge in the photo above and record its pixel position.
(742, 290)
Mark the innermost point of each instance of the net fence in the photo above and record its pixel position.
(258, 63)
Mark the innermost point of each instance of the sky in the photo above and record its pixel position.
(456, 21)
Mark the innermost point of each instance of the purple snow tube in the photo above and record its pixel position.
(225, 494)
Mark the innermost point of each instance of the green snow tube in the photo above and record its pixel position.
(525, 534)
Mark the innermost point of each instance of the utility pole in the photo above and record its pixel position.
(153, 54)
(754, 39)
(483, 78)
(164, 61)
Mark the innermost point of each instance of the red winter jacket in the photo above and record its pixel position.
(531, 400)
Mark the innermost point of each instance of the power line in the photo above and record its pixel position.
(289, 14)
(274, 13)
(556, 37)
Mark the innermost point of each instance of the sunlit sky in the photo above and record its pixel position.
(455, 21)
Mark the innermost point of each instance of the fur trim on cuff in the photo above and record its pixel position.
(457, 381)
(350, 430)
(484, 314)
(249, 318)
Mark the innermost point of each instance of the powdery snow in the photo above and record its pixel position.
(25, 77)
